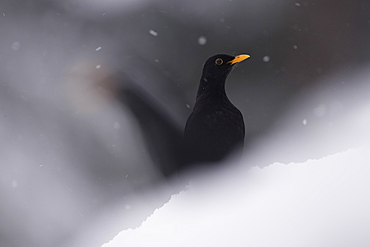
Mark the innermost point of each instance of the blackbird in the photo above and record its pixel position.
(215, 128)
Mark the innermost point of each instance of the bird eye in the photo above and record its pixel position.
(219, 61)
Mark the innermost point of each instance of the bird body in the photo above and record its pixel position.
(215, 128)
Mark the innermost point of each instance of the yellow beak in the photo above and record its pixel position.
(238, 59)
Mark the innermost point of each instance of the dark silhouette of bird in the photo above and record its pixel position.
(212, 132)
(163, 137)
(215, 128)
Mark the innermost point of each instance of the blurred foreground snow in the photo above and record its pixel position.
(321, 202)
(316, 196)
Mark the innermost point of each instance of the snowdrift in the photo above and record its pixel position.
(323, 202)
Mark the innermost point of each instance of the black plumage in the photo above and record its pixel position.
(215, 128)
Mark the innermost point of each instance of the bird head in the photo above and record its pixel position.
(219, 66)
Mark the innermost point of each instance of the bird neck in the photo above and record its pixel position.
(210, 87)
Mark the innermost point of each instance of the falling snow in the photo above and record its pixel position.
(152, 32)
(202, 40)
(98, 48)
(266, 59)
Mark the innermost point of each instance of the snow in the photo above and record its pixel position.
(152, 32)
(202, 40)
(321, 202)
(266, 59)
(316, 195)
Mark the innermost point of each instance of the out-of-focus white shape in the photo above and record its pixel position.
(202, 40)
(321, 202)
(152, 32)
(266, 59)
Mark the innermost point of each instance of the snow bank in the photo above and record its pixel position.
(321, 202)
